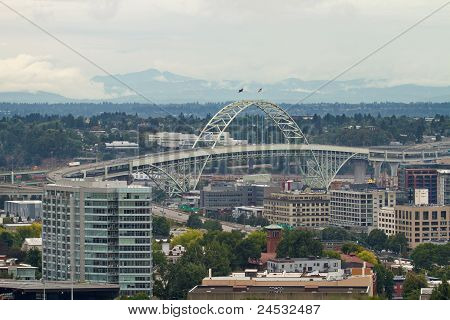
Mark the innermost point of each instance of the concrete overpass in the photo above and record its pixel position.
(179, 171)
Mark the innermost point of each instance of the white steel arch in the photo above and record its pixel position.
(214, 129)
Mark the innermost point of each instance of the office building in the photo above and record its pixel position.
(298, 209)
(422, 224)
(98, 231)
(386, 220)
(225, 196)
(359, 208)
(443, 187)
(420, 176)
(25, 210)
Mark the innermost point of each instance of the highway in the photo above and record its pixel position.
(182, 217)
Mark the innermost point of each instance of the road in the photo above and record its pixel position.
(179, 216)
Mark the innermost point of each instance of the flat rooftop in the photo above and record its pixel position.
(270, 289)
(34, 285)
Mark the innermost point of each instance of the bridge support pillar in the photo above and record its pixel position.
(251, 163)
(377, 170)
(359, 171)
(84, 174)
(287, 169)
(106, 172)
(394, 172)
(222, 166)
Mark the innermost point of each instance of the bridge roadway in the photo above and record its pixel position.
(328, 156)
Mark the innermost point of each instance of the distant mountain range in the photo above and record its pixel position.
(167, 87)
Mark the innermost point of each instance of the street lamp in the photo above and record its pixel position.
(43, 283)
(71, 281)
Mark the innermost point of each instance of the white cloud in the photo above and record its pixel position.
(29, 73)
(250, 40)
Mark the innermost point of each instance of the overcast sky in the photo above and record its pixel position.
(224, 39)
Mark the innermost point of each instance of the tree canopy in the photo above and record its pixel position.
(161, 226)
(298, 244)
(412, 285)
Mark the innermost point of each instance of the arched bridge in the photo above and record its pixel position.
(179, 171)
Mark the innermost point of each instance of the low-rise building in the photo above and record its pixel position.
(298, 209)
(122, 145)
(248, 211)
(303, 265)
(175, 253)
(178, 140)
(32, 243)
(9, 268)
(172, 255)
(284, 286)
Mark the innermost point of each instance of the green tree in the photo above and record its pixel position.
(34, 258)
(298, 244)
(442, 291)
(246, 249)
(331, 254)
(161, 226)
(377, 239)
(368, 256)
(6, 240)
(230, 239)
(350, 247)
(260, 238)
(217, 258)
(188, 238)
(398, 243)
(412, 285)
(137, 296)
(334, 233)
(183, 277)
(385, 281)
(194, 222)
(425, 255)
(212, 225)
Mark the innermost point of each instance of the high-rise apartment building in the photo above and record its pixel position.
(298, 209)
(98, 231)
